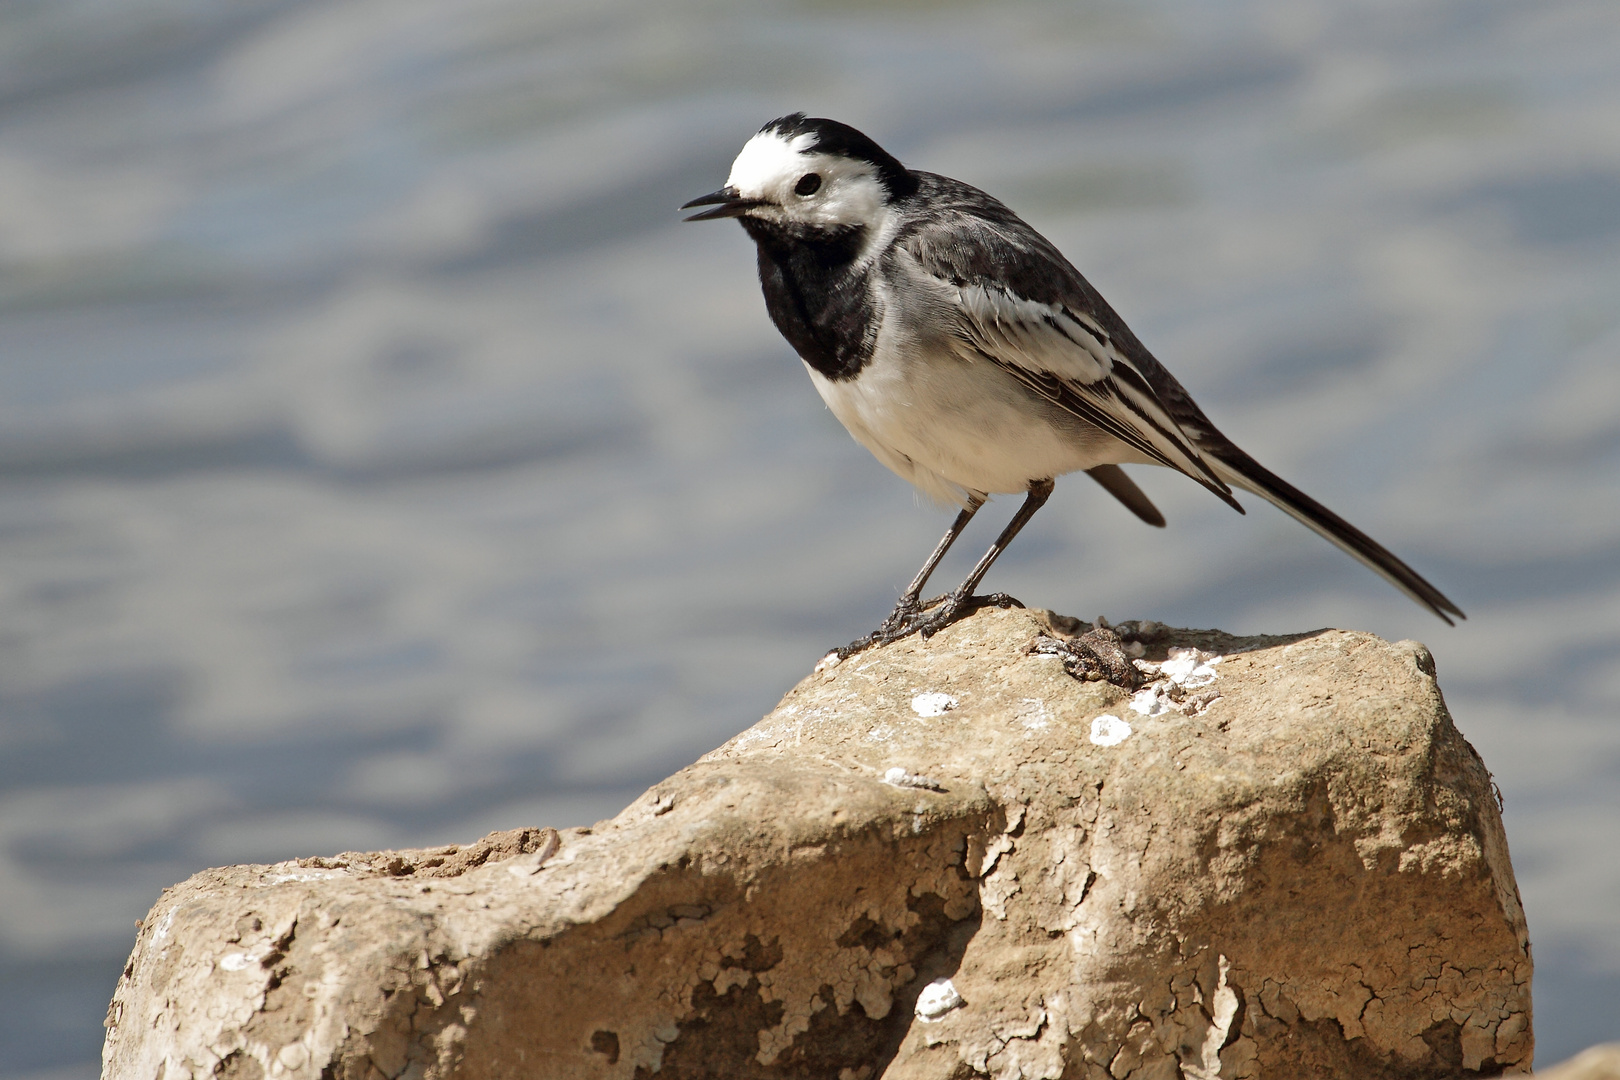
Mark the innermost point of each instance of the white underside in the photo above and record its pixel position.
(957, 428)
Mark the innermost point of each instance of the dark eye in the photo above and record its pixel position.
(808, 184)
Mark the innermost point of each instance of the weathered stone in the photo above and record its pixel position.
(1285, 864)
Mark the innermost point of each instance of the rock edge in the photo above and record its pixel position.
(1296, 867)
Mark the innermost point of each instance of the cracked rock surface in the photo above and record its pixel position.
(1298, 870)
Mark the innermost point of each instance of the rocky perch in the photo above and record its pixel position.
(969, 856)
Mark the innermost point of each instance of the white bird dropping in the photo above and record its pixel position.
(1191, 668)
(932, 704)
(938, 998)
(1109, 730)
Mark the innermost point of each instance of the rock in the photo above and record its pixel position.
(1596, 1063)
(1304, 874)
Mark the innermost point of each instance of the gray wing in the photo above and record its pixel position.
(1022, 305)
(1017, 303)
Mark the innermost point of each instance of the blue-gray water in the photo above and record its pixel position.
(382, 463)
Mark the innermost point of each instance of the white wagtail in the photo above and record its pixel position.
(960, 347)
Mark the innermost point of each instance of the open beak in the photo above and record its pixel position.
(726, 202)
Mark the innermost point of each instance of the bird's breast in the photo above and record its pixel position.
(821, 299)
(951, 425)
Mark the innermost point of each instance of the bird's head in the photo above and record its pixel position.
(808, 173)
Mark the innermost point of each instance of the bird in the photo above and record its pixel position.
(961, 348)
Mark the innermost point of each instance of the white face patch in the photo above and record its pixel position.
(771, 166)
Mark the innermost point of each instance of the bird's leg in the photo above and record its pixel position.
(929, 619)
(962, 602)
(908, 605)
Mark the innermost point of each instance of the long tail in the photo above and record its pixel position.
(1241, 470)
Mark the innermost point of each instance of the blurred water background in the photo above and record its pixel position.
(382, 463)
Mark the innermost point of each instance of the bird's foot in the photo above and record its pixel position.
(1097, 655)
(904, 612)
(926, 618)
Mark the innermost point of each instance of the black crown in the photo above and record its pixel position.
(831, 137)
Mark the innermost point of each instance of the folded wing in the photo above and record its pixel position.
(1054, 345)
(1021, 305)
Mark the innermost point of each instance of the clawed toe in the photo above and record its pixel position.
(904, 612)
(925, 619)
(954, 607)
